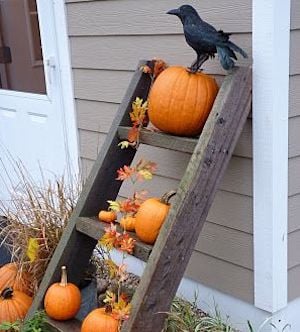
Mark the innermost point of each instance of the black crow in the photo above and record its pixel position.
(205, 39)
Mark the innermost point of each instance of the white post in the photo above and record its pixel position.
(271, 33)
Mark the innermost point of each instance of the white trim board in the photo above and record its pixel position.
(238, 311)
(271, 34)
(70, 123)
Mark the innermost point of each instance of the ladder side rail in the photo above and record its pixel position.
(75, 249)
(176, 241)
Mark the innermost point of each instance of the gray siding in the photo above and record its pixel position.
(294, 157)
(107, 39)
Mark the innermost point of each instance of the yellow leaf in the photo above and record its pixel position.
(147, 175)
(32, 249)
(124, 144)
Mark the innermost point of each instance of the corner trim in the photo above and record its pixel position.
(271, 34)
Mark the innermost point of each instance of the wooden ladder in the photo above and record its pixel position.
(168, 258)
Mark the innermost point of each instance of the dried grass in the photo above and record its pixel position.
(36, 210)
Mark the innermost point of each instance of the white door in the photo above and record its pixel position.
(32, 115)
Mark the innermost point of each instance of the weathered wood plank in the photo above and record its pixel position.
(75, 248)
(66, 326)
(162, 140)
(195, 194)
(95, 229)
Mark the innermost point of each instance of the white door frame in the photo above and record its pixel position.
(66, 81)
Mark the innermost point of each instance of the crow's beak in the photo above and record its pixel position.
(174, 12)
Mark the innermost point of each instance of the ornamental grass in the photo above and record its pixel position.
(35, 216)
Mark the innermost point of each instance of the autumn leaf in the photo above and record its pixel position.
(145, 175)
(146, 165)
(139, 111)
(122, 272)
(133, 134)
(129, 205)
(121, 309)
(110, 298)
(114, 206)
(112, 267)
(159, 67)
(154, 68)
(32, 249)
(126, 243)
(146, 69)
(125, 173)
(110, 238)
(124, 144)
(145, 169)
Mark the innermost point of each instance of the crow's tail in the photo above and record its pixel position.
(235, 48)
(225, 54)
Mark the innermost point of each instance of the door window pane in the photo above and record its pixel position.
(21, 59)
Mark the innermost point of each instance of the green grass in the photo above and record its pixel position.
(186, 317)
(35, 324)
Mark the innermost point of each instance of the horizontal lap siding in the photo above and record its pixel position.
(294, 161)
(107, 39)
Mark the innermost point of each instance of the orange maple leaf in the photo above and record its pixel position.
(111, 237)
(133, 134)
(121, 309)
(126, 243)
(125, 172)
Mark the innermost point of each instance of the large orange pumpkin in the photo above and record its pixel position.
(13, 305)
(9, 277)
(180, 102)
(62, 299)
(99, 320)
(150, 217)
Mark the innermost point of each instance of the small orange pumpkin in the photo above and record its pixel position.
(99, 320)
(180, 102)
(107, 216)
(10, 277)
(62, 299)
(128, 223)
(13, 305)
(150, 217)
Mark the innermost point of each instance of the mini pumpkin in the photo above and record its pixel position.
(128, 223)
(150, 217)
(10, 277)
(62, 299)
(107, 216)
(99, 320)
(14, 305)
(180, 101)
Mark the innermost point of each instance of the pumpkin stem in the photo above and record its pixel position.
(167, 196)
(64, 277)
(108, 309)
(7, 293)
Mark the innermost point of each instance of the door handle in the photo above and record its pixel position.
(50, 65)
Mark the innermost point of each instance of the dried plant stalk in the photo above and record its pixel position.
(36, 212)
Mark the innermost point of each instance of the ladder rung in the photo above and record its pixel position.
(72, 325)
(182, 144)
(94, 228)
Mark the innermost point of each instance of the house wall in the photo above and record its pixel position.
(294, 156)
(107, 39)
